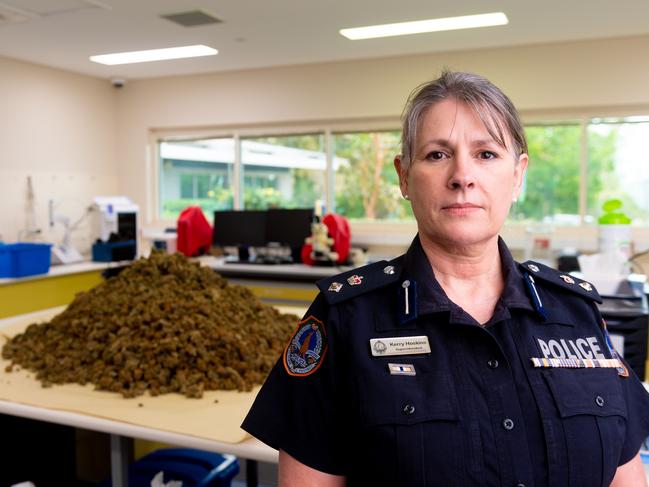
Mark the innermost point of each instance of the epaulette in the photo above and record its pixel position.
(360, 280)
(561, 279)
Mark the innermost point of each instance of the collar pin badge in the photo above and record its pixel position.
(335, 287)
(567, 279)
(355, 280)
(533, 268)
(405, 286)
(388, 270)
(586, 286)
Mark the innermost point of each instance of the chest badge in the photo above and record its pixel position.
(402, 369)
(355, 280)
(576, 363)
(385, 347)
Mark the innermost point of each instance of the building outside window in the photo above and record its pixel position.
(283, 172)
(198, 173)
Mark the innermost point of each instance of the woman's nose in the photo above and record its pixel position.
(461, 173)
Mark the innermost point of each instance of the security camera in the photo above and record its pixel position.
(118, 82)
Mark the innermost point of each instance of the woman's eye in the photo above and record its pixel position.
(435, 155)
(487, 155)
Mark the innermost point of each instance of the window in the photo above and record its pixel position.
(617, 166)
(197, 172)
(291, 171)
(366, 183)
(283, 172)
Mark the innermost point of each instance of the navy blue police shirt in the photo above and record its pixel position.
(389, 383)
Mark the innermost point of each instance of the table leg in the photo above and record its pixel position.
(119, 459)
(252, 473)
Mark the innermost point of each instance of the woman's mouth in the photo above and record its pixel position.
(460, 209)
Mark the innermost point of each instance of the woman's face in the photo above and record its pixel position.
(460, 181)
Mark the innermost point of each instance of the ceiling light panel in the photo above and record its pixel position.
(154, 55)
(422, 26)
(53, 7)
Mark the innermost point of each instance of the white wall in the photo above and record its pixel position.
(78, 137)
(544, 79)
(58, 128)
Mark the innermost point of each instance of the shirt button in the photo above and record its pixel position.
(520, 484)
(493, 364)
(408, 409)
(599, 400)
(508, 424)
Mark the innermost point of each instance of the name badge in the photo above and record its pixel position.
(384, 347)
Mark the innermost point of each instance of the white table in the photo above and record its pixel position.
(159, 419)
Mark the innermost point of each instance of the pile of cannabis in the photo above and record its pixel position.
(164, 324)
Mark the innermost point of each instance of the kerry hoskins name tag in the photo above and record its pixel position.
(383, 347)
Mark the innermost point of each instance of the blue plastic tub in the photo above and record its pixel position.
(195, 468)
(24, 259)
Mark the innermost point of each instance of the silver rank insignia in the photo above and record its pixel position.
(586, 286)
(335, 287)
(533, 268)
(388, 270)
(355, 280)
(567, 279)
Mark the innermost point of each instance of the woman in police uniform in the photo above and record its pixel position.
(453, 364)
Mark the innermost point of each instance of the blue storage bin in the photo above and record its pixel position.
(195, 468)
(24, 259)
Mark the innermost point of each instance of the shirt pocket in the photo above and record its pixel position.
(592, 415)
(411, 429)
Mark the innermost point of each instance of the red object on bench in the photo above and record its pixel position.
(194, 232)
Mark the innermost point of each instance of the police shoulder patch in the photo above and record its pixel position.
(359, 281)
(306, 348)
(547, 274)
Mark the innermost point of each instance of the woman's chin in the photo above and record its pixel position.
(462, 235)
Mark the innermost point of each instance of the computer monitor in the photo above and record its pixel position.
(241, 228)
(289, 226)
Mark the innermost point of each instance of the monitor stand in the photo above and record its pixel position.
(244, 254)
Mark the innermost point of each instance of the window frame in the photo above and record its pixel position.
(388, 234)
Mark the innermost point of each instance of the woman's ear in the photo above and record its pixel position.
(403, 175)
(519, 174)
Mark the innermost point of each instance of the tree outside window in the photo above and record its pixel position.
(367, 185)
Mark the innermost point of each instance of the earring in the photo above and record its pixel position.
(406, 197)
(514, 199)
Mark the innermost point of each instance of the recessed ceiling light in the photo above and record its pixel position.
(153, 55)
(421, 26)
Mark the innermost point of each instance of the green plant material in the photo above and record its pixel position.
(162, 325)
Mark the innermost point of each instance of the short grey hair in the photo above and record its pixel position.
(494, 108)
